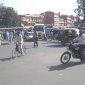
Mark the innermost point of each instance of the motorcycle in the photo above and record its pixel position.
(72, 51)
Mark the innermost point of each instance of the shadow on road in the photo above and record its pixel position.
(63, 66)
(28, 47)
(4, 43)
(54, 46)
(50, 42)
(6, 59)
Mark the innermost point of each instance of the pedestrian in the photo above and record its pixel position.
(51, 35)
(0, 38)
(10, 36)
(35, 38)
(7, 36)
(70, 35)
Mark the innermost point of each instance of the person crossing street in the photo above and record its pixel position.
(35, 39)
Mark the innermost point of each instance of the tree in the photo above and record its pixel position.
(80, 11)
(9, 17)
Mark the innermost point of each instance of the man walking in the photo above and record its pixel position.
(35, 39)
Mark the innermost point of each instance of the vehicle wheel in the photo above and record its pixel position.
(65, 57)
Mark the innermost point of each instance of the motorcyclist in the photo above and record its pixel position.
(81, 42)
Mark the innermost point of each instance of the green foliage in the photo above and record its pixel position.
(9, 17)
(80, 11)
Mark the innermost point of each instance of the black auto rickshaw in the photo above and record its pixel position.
(65, 35)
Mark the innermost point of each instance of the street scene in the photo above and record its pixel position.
(40, 66)
(42, 42)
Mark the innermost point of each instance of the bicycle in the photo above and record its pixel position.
(18, 52)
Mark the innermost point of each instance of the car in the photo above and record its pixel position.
(28, 36)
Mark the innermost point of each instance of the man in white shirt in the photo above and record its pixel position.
(81, 41)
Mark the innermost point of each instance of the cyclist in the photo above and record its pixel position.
(19, 41)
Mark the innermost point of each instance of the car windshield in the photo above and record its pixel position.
(39, 28)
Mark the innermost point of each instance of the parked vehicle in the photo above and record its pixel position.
(65, 35)
(72, 51)
(28, 36)
(40, 29)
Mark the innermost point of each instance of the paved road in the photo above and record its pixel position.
(41, 66)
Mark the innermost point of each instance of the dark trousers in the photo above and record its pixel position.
(81, 49)
(35, 42)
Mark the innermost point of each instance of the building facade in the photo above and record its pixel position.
(48, 17)
(29, 20)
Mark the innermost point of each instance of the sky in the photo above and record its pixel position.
(40, 6)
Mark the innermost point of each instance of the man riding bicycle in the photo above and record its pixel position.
(19, 42)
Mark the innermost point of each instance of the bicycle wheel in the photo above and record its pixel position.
(24, 50)
(14, 53)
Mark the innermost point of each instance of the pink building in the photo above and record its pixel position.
(29, 20)
(48, 17)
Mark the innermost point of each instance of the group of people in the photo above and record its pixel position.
(7, 36)
(19, 40)
(80, 39)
